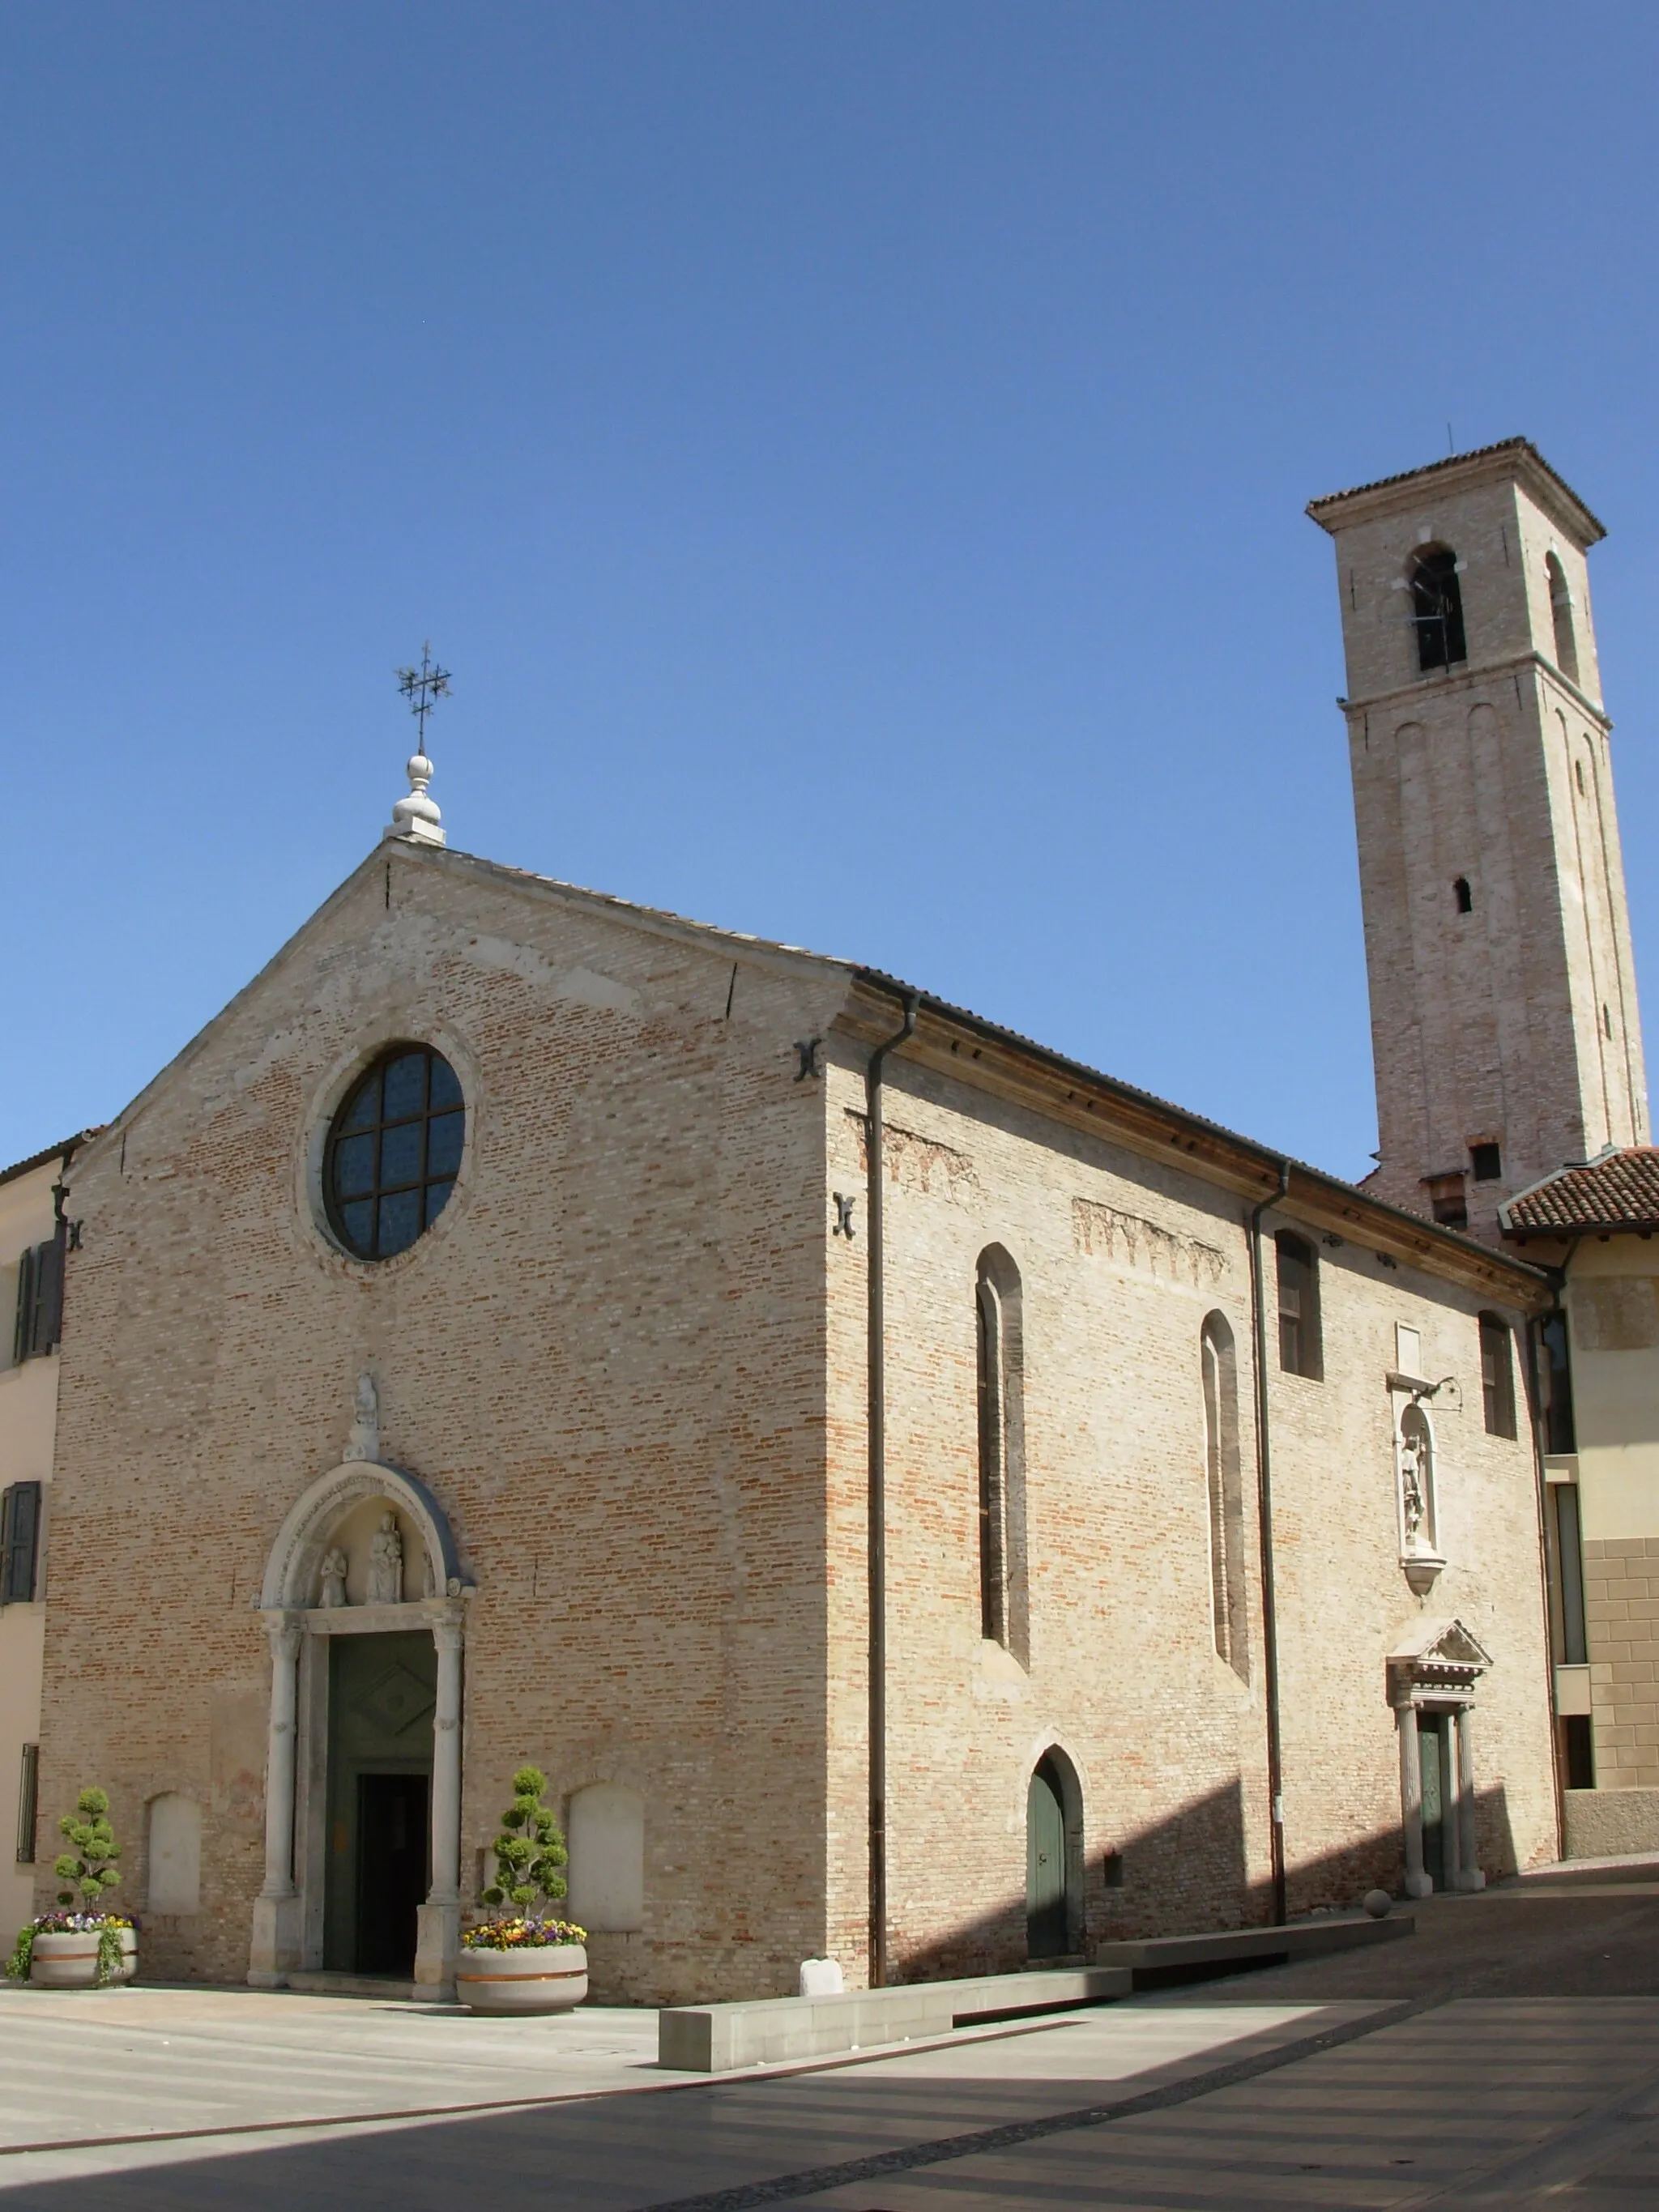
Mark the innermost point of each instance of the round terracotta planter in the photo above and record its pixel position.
(69, 1961)
(535, 1978)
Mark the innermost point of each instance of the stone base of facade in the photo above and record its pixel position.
(438, 1934)
(274, 1951)
(1609, 1824)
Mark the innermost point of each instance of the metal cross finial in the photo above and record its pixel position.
(424, 687)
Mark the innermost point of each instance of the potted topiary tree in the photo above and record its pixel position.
(520, 1960)
(82, 1945)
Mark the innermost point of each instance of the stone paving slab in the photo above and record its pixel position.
(1214, 2103)
(255, 2068)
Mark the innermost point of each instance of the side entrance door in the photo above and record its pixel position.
(1433, 1744)
(1046, 1933)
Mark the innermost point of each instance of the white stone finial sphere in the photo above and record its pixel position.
(417, 816)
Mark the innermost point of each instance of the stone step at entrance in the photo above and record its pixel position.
(319, 1983)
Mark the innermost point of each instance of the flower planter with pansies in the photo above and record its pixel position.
(82, 1945)
(521, 1961)
(517, 1965)
(77, 1951)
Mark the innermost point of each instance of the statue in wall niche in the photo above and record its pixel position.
(334, 1575)
(385, 1564)
(364, 1442)
(1413, 1495)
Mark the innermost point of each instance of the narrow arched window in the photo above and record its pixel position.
(1437, 609)
(1566, 646)
(1463, 895)
(1225, 1487)
(1301, 1350)
(1496, 1376)
(998, 1325)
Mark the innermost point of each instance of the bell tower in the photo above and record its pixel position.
(1505, 1027)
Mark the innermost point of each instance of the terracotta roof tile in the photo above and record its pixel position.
(1618, 1190)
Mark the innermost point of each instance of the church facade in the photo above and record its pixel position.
(921, 1501)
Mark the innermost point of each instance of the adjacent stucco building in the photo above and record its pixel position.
(33, 1244)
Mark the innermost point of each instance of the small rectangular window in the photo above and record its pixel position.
(1486, 1163)
(1447, 1200)
(28, 1803)
(1301, 1350)
(1578, 1752)
(1570, 1563)
(1496, 1376)
(1552, 1367)
(19, 1542)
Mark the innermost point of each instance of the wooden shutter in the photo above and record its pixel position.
(19, 1542)
(29, 1802)
(23, 1328)
(49, 1293)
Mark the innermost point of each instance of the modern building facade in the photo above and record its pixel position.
(1594, 1226)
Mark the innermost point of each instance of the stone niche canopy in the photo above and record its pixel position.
(334, 1550)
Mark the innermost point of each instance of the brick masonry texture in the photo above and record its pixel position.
(629, 1362)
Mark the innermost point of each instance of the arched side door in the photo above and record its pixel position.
(1046, 1918)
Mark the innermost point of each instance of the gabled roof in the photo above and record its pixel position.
(1439, 1643)
(1249, 1165)
(1617, 1191)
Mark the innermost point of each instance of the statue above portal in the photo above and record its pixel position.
(364, 1442)
(334, 1577)
(385, 1564)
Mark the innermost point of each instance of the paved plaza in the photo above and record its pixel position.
(1508, 2054)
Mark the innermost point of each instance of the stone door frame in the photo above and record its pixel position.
(1435, 1669)
(287, 1934)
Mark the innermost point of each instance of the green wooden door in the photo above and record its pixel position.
(1046, 1915)
(381, 1692)
(1433, 1744)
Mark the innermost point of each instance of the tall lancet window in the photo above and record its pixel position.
(1566, 646)
(1002, 1607)
(1224, 1485)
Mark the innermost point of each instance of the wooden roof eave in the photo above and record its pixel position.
(1030, 1076)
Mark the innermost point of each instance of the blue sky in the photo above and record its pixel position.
(852, 456)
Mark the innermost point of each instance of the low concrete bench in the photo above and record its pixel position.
(715, 2037)
(1163, 1962)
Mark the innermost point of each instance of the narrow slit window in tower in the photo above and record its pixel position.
(1463, 895)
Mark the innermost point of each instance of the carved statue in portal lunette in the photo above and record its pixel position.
(333, 1576)
(385, 1564)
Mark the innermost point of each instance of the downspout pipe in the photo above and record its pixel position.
(876, 1367)
(1264, 1490)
